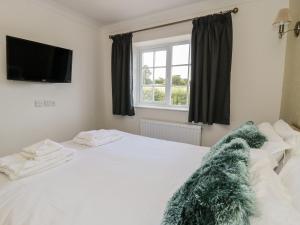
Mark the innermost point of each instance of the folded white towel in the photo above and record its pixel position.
(49, 156)
(90, 135)
(43, 148)
(16, 166)
(96, 138)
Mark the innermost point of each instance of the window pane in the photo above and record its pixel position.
(160, 75)
(179, 75)
(147, 59)
(179, 95)
(147, 94)
(148, 76)
(159, 94)
(180, 54)
(160, 58)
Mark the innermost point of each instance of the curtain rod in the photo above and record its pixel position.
(234, 10)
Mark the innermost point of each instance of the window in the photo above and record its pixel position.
(163, 75)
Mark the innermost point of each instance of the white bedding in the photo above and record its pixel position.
(127, 182)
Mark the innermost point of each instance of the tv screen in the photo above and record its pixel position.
(32, 61)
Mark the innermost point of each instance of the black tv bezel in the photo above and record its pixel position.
(42, 80)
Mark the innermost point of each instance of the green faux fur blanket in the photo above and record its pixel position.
(219, 193)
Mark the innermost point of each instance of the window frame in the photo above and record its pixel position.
(138, 92)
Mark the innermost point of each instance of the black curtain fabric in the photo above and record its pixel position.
(211, 69)
(121, 72)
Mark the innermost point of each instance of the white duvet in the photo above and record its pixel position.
(274, 204)
(127, 182)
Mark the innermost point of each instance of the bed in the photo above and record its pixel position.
(127, 182)
(137, 180)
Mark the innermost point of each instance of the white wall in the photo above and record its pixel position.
(76, 103)
(257, 70)
(290, 108)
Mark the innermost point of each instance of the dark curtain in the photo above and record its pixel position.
(211, 69)
(121, 74)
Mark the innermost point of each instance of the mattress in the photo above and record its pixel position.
(127, 182)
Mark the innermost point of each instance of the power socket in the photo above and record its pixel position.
(49, 103)
(38, 103)
(44, 103)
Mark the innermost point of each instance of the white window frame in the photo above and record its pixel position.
(138, 92)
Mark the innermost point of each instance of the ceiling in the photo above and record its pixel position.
(112, 11)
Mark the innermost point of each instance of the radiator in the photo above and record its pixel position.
(185, 133)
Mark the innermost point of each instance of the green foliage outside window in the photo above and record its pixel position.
(159, 94)
(160, 81)
(179, 95)
(147, 75)
(178, 81)
(147, 94)
(179, 88)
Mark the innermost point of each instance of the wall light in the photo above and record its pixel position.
(284, 19)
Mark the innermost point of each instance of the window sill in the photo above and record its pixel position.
(162, 108)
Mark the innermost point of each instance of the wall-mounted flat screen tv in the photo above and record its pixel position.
(32, 61)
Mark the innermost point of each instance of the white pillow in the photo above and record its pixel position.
(274, 204)
(276, 149)
(289, 135)
(260, 159)
(275, 145)
(268, 130)
(283, 129)
(290, 178)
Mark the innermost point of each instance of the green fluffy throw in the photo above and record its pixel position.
(218, 193)
(249, 132)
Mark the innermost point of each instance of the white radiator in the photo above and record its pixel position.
(185, 133)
